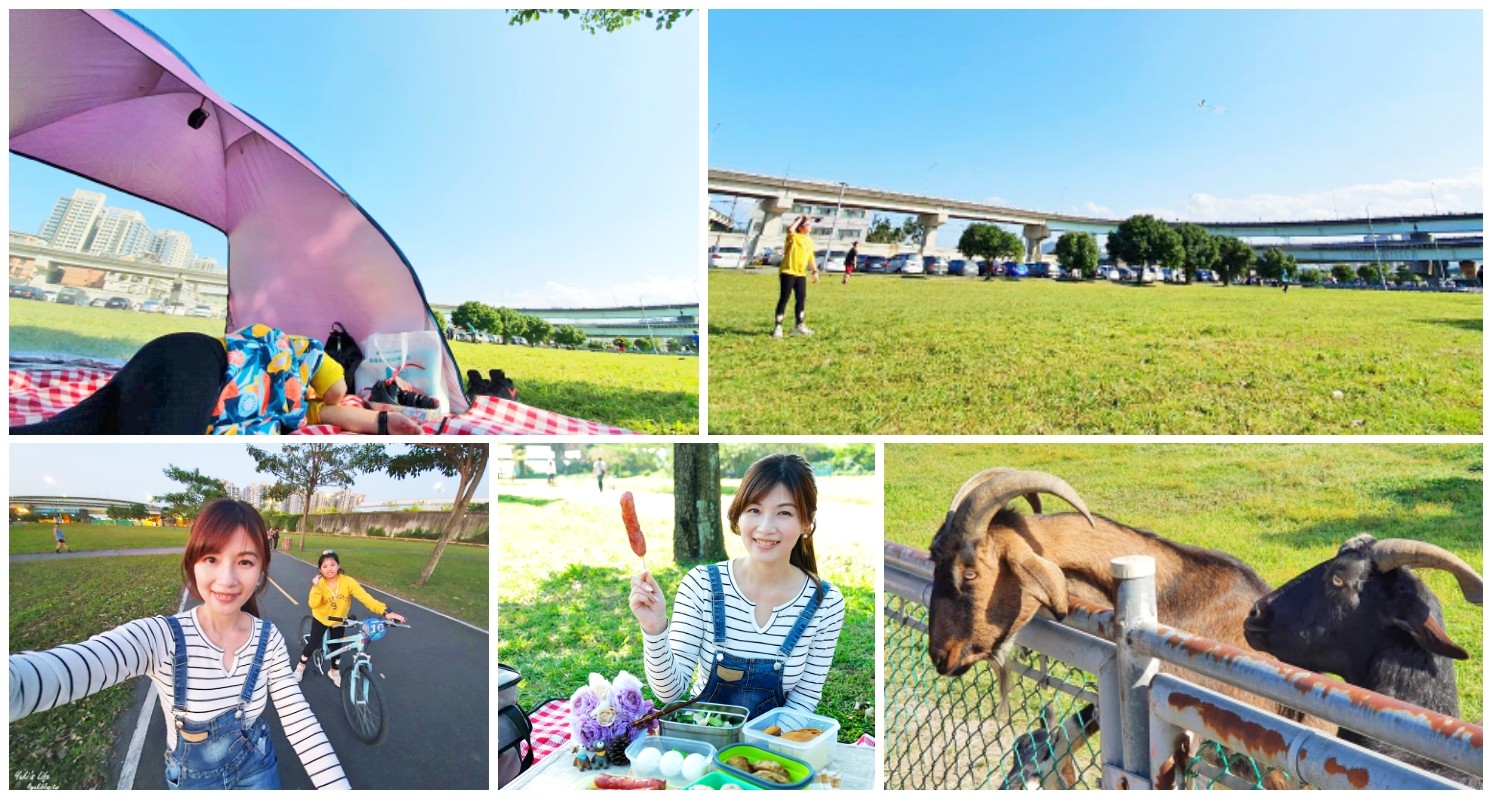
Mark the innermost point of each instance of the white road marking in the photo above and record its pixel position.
(137, 740)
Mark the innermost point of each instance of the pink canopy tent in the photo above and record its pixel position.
(97, 94)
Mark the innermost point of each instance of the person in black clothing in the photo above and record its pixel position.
(849, 262)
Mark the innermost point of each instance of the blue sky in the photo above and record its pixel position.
(1307, 114)
(136, 471)
(534, 165)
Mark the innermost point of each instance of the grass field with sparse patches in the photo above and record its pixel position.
(1282, 509)
(962, 356)
(643, 393)
(36, 537)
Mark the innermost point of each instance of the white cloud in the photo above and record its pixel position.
(1219, 110)
(438, 485)
(1093, 209)
(48, 479)
(562, 295)
(1461, 194)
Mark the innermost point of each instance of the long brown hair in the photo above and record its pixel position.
(213, 530)
(792, 472)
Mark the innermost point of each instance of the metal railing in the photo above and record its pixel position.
(1068, 720)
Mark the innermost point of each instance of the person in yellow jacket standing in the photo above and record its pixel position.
(792, 276)
(330, 602)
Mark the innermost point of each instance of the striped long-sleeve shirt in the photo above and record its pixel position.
(70, 672)
(673, 658)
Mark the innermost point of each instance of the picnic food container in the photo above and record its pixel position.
(507, 685)
(666, 744)
(816, 751)
(800, 773)
(718, 780)
(676, 724)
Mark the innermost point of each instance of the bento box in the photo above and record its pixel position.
(817, 751)
(644, 767)
(699, 722)
(719, 780)
(798, 773)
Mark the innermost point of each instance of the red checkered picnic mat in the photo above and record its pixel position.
(551, 723)
(36, 394)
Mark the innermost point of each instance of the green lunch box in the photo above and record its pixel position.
(798, 772)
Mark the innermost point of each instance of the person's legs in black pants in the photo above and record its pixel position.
(170, 387)
(800, 295)
(319, 633)
(790, 285)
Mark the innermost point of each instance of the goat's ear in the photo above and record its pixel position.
(1415, 618)
(1043, 579)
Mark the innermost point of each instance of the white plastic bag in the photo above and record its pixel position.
(414, 357)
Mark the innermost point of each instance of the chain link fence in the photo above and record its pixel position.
(950, 733)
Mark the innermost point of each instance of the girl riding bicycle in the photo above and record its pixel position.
(330, 602)
(215, 667)
(762, 627)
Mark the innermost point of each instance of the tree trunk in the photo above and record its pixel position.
(698, 535)
(305, 517)
(463, 495)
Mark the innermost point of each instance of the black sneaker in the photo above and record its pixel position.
(385, 391)
(501, 385)
(476, 384)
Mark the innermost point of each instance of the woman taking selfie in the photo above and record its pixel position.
(215, 667)
(763, 626)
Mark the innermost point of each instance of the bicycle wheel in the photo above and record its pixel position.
(363, 704)
(305, 629)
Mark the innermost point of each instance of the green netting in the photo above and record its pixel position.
(948, 733)
(1213, 766)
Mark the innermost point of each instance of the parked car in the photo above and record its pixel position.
(728, 257)
(871, 264)
(834, 262)
(905, 264)
(26, 292)
(935, 265)
(121, 303)
(963, 266)
(1016, 270)
(1039, 269)
(152, 307)
(72, 295)
(202, 311)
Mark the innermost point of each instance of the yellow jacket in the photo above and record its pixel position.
(797, 255)
(325, 605)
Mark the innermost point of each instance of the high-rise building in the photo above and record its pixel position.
(120, 232)
(204, 263)
(72, 220)
(172, 248)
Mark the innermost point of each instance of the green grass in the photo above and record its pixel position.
(648, 394)
(960, 356)
(562, 594)
(459, 586)
(57, 602)
(36, 537)
(1280, 508)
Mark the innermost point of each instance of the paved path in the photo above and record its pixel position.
(143, 551)
(433, 677)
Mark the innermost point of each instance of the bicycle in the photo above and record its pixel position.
(361, 701)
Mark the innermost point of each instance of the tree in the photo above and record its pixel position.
(609, 20)
(913, 231)
(1277, 265)
(981, 240)
(509, 323)
(1342, 273)
(474, 316)
(1078, 250)
(1370, 273)
(1200, 249)
(569, 336)
(642, 344)
(1144, 240)
(469, 461)
(301, 469)
(1310, 277)
(697, 532)
(197, 489)
(537, 330)
(881, 232)
(1235, 259)
(1404, 274)
(440, 321)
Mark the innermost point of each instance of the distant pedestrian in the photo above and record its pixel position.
(600, 469)
(57, 534)
(274, 538)
(792, 276)
(850, 260)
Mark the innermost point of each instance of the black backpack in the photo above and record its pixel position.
(343, 349)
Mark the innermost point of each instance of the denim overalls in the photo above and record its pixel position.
(755, 683)
(224, 752)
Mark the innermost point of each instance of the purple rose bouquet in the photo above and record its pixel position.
(601, 711)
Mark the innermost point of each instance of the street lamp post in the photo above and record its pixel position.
(834, 226)
(1377, 256)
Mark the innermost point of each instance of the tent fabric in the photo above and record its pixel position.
(98, 95)
(38, 394)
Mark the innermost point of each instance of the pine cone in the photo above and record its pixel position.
(616, 750)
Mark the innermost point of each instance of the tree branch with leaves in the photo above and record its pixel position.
(468, 461)
(301, 469)
(608, 20)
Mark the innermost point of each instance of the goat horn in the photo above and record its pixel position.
(980, 504)
(1033, 498)
(1393, 553)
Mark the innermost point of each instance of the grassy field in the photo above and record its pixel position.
(1280, 508)
(459, 586)
(36, 537)
(562, 610)
(648, 394)
(961, 356)
(56, 602)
